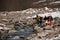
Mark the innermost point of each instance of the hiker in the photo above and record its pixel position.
(45, 18)
(50, 20)
(47, 23)
(41, 21)
(37, 19)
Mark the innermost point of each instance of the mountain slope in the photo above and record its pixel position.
(15, 5)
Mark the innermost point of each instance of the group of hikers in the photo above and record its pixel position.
(44, 21)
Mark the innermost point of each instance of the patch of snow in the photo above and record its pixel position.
(53, 14)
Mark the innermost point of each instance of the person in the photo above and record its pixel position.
(46, 18)
(47, 23)
(41, 21)
(50, 20)
(37, 19)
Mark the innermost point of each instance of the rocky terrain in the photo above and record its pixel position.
(25, 28)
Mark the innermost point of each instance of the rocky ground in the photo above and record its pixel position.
(25, 31)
